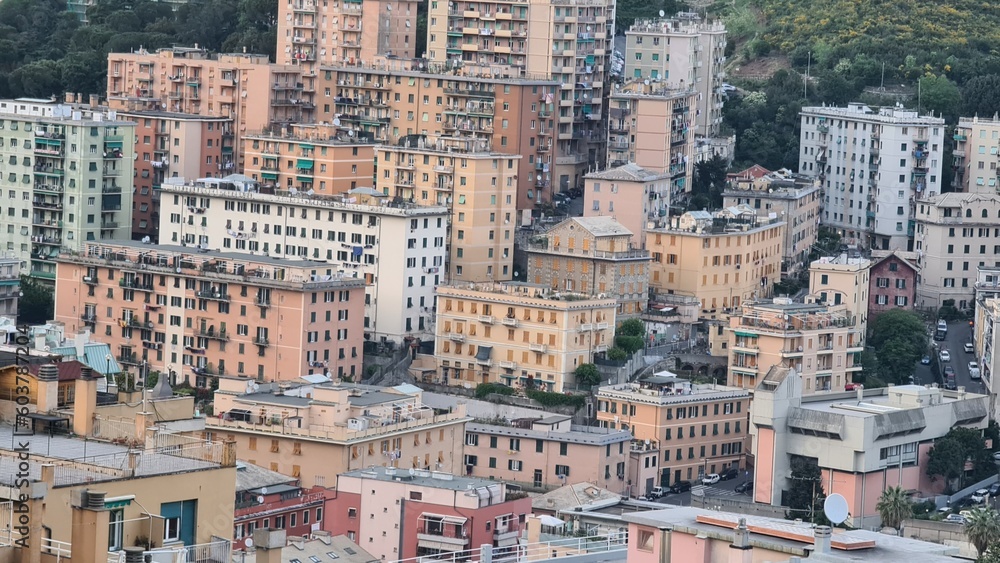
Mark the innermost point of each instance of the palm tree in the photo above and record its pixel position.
(894, 506)
(982, 526)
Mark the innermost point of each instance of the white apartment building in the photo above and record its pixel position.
(398, 248)
(957, 233)
(873, 164)
(684, 52)
(976, 154)
(987, 328)
(68, 178)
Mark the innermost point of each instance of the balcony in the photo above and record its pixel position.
(89, 317)
(263, 301)
(214, 295)
(509, 321)
(261, 341)
(213, 334)
(137, 323)
(484, 362)
(456, 336)
(795, 353)
(541, 348)
(90, 280)
(486, 319)
(586, 327)
(603, 326)
(133, 283)
(508, 365)
(128, 359)
(445, 537)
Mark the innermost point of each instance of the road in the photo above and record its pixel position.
(720, 489)
(958, 334)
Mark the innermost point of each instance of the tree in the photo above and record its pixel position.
(899, 338)
(992, 554)
(617, 354)
(950, 454)
(982, 526)
(946, 459)
(587, 374)
(632, 327)
(981, 96)
(894, 506)
(940, 95)
(805, 493)
(710, 180)
(36, 305)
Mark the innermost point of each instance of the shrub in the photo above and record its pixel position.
(617, 354)
(483, 390)
(587, 374)
(548, 399)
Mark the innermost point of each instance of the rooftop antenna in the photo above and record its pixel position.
(805, 79)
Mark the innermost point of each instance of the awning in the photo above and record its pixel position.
(306, 145)
(113, 144)
(444, 518)
(552, 521)
(304, 164)
(484, 352)
(118, 502)
(746, 334)
(306, 179)
(269, 175)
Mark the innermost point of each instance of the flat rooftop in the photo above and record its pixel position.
(194, 252)
(883, 400)
(586, 435)
(422, 477)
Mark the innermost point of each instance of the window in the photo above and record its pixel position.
(645, 541)
(514, 464)
(562, 470)
(179, 521)
(471, 439)
(116, 523)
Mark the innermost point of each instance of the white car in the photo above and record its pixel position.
(974, 370)
(710, 479)
(955, 519)
(969, 348)
(945, 356)
(980, 496)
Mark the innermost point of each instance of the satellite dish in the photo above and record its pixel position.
(662, 13)
(835, 508)
(336, 122)
(263, 490)
(646, 82)
(260, 499)
(248, 543)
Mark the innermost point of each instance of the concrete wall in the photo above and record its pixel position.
(945, 533)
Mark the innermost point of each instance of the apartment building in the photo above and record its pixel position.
(984, 335)
(956, 234)
(823, 344)
(683, 52)
(316, 431)
(549, 39)
(843, 280)
(547, 453)
(426, 513)
(10, 285)
(399, 277)
(700, 429)
(513, 114)
(268, 500)
(653, 126)
(475, 182)
(519, 334)
(312, 33)
(873, 164)
(191, 80)
(977, 146)
(863, 441)
(722, 258)
(68, 174)
(592, 255)
(201, 314)
(319, 158)
(892, 284)
(793, 197)
(642, 196)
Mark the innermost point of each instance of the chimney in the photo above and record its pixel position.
(821, 539)
(94, 101)
(39, 340)
(665, 547)
(85, 402)
(90, 528)
(740, 551)
(80, 342)
(861, 392)
(134, 555)
(70, 98)
(48, 388)
(269, 543)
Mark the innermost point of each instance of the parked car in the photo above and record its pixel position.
(657, 492)
(680, 487)
(728, 474)
(974, 370)
(851, 386)
(980, 496)
(969, 348)
(994, 489)
(949, 372)
(955, 519)
(945, 356)
(926, 360)
(710, 479)
(950, 383)
(745, 487)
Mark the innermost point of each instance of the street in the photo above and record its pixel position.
(959, 333)
(720, 489)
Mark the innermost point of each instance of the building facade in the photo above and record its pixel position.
(823, 344)
(10, 286)
(519, 334)
(892, 284)
(873, 164)
(198, 315)
(984, 335)
(399, 277)
(642, 196)
(699, 429)
(843, 280)
(956, 234)
(476, 183)
(653, 127)
(794, 198)
(425, 513)
(683, 52)
(977, 144)
(546, 453)
(268, 500)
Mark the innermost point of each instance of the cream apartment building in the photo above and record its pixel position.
(976, 154)
(518, 334)
(641, 195)
(873, 164)
(653, 126)
(68, 171)
(592, 255)
(984, 335)
(956, 234)
(385, 100)
(843, 280)
(397, 248)
(546, 453)
(793, 197)
(568, 43)
(316, 431)
(823, 344)
(475, 182)
(682, 52)
(697, 429)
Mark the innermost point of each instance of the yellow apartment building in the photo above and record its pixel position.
(316, 431)
(793, 197)
(566, 42)
(321, 158)
(519, 334)
(385, 100)
(653, 126)
(546, 453)
(476, 183)
(843, 280)
(698, 429)
(630, 194)
(823, 344)
(200, 314)
(592, 255)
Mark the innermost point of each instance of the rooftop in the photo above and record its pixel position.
(319, 548)
(586, 435)
(958, 199)
(571, 496)
(422, 478)
(520, 293)
(665, 388)
(888, 400)
(601, 226)
(889, 115)
(250, 477)
(841, 260)
(630, 172)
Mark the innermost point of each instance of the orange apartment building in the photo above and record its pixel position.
(653, 126)
(321, 158)
(641, 196)
(476, 183)
(388, 100)
(697, 429)
(181, 312)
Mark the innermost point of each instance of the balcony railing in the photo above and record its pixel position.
(135, 284)
(214, 295)
(261, 341)
(214, 334)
